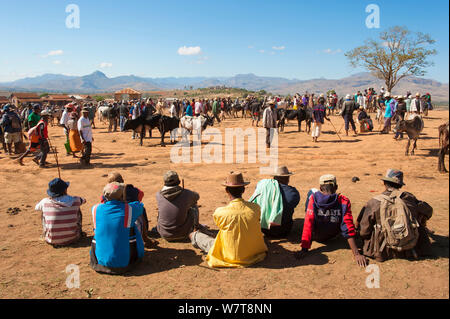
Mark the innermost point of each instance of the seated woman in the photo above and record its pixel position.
(117, 245)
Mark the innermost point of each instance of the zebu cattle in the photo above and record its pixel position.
(444, 146)
(102, 113)
(413, 127)
(190, 123)
(168, 124)
(301, 114)
(141, 125)
(235, 108)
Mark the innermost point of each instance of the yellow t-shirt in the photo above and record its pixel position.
(240, 241)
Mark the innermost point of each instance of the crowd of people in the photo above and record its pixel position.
(390, 225)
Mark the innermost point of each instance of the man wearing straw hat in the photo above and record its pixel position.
(277, 201)
(239, 242)
(270, 121)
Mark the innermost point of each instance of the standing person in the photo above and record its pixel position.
(375, 226)
(270, 121)
(389, 103)
(189, 111)
(74, 135)
(112, 117)
(92, 111)
(198, 108)
(12, 128)
(85, 129)
(38, 136)
(61, 215)
(255, 108)
(216, 110)
(135, 113)
(63, 122)
(239, 242)
(415, 104)
(123, 113)
(408, 103)
(400, 114)
(348, 108)
(327, 215)
(319, 114)
(34, 117)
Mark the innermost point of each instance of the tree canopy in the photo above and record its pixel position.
(398, 53)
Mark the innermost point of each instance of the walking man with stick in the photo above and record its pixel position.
(38, 136)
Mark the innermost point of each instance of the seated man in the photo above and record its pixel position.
(177, 209)
(239, 242)
(61, 215)
(363, 120)
(377, 238)
(277, 201)
(329, 214)
(133, 194)
(117, 245)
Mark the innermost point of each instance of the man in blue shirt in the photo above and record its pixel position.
(389, 103)
(117, 245)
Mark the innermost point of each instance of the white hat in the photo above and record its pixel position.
(387, 94)
(347, 96)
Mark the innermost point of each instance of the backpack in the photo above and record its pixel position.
(398, 225)
(15, 122)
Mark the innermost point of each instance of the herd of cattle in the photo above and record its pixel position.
(166, 124)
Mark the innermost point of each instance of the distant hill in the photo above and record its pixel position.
(98, 82)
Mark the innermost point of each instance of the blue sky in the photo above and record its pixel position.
(293, 39)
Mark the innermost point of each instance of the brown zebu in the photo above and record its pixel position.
(412, 128)
(444, 146)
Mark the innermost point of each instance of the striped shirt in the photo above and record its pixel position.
(61, 219)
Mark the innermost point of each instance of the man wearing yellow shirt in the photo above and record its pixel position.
(239, 242)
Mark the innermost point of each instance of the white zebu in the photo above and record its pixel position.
(102, 113)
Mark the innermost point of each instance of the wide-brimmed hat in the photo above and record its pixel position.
(417, 94)
(394, 176)
(235, 179)
(171, 178)
(327, 179)
(85, 109)
(56, 187)
(114, 191)
(282, 171)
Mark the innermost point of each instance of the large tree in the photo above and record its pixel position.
(397, 53)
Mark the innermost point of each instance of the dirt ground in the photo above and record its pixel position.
(29, 268)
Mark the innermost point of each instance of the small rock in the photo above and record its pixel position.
(113, 141)
(355, 179)
(105, 175)
(10, 225)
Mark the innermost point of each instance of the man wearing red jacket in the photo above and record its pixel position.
(327, 215)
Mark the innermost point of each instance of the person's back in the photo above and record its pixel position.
(348, 108)
(117, 243)
(174, 220)
(61, 215)
(239, 241)
(369, 221)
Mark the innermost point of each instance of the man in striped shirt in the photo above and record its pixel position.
(61, 215)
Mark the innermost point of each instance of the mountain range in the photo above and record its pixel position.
(98, 82)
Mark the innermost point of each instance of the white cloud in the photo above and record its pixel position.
(279, 48)
(53, 53)
(261, 51)
(250, 46)
(329, 51)
(57, 62)
(105, 65)
(184, 50)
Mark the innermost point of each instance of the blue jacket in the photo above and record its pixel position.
(189, 110)
(113, 232)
